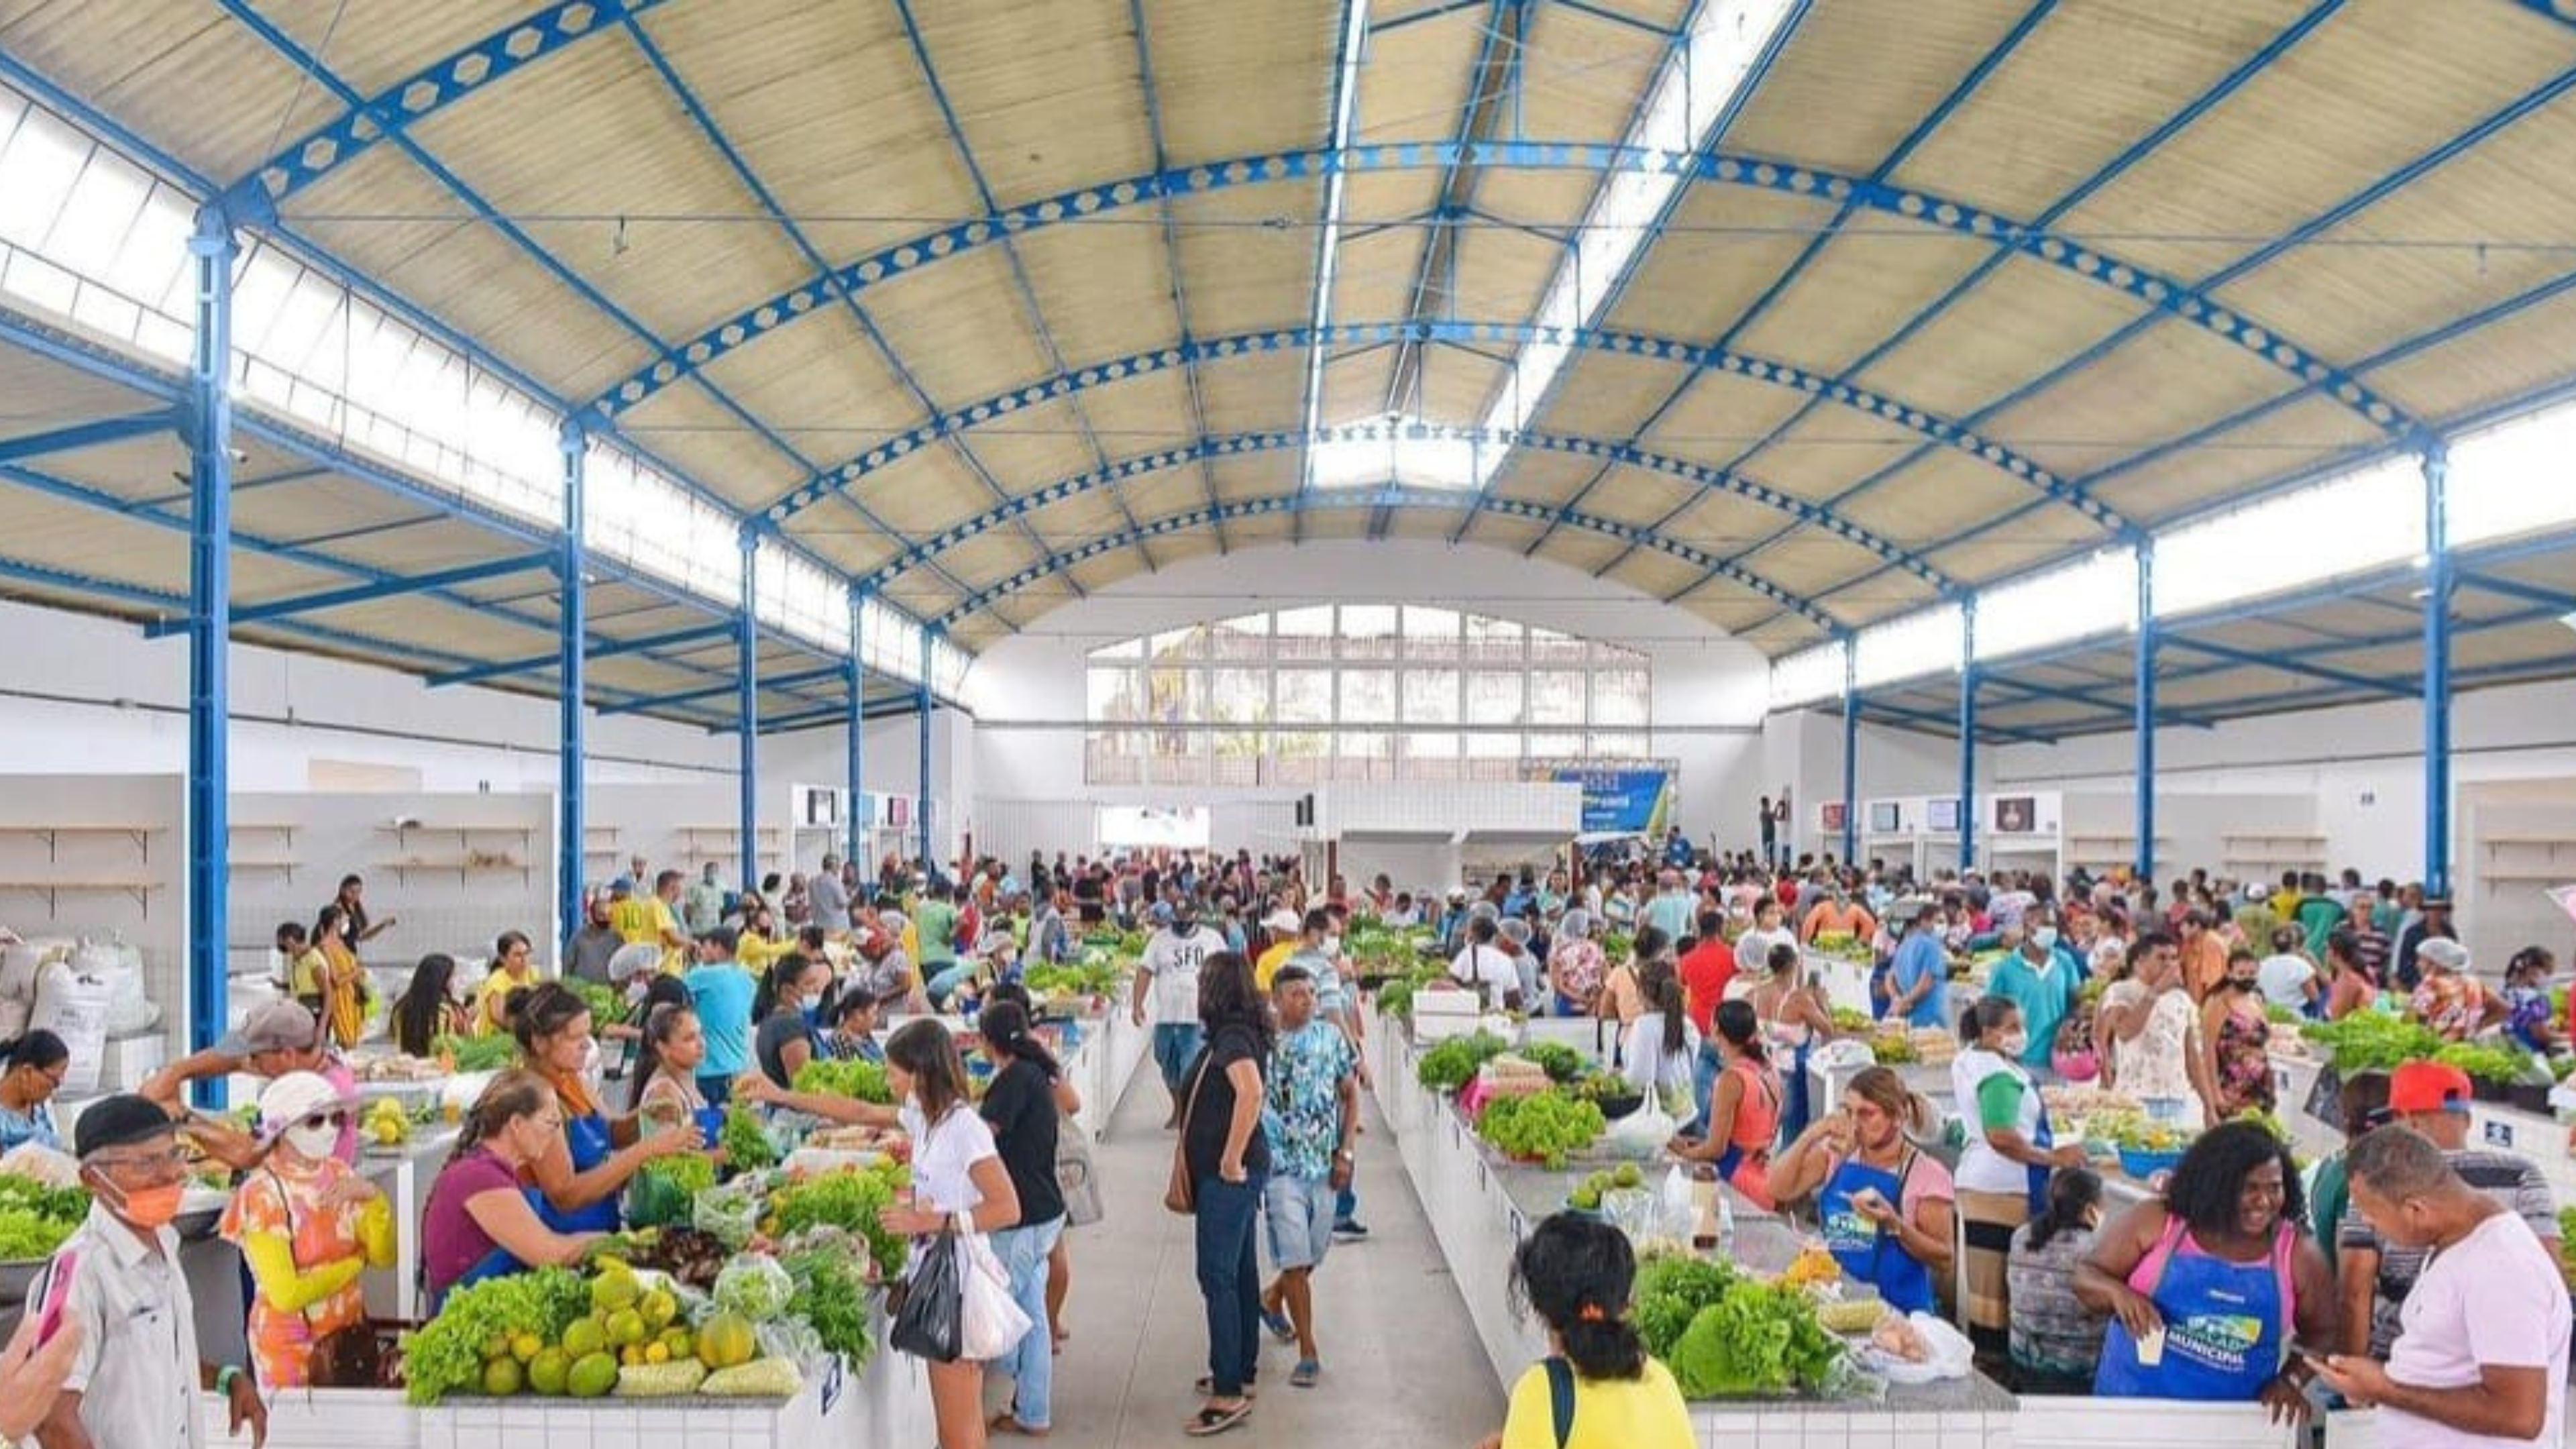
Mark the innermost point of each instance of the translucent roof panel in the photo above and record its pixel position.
(2096, 595)
(1929, 642)
(1807, 676)
(2366, 519)
(2516, 477)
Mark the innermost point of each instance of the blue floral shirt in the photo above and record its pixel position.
(1302, 1105)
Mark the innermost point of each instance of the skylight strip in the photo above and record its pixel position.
(1328, 244)
(1692, 96)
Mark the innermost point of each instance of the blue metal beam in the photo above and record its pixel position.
(2439, 572)
(2144, 710)
(1851, 752)
(424, 93)
(606, 648)
(2516, 589)
(370, 592)
(1946, 723)
(1393, 496)
(747, 710)
(837, 715)
(732, 685)
(1698, 358)
(2165, 294)
(1968, 736)
(856, 743)
(1450, 200)
(1245, 443)
(1341, 110)
(1151, 89)
(209, 410)
(572, 837)
(2290, 664)
(929, 864)
(86, 435)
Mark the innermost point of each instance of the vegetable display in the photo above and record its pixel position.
(607, 1004)
(2486, 1063)
(2372, 1041)
(485, 1320)
(35, 1219)
(825, 1076)
(848, 1198)
(1562, 1063)
(1543, 1126)
(1725, 1334)
(1453, 1063)
(746, 1143)
(478, 1053)
(1085, 978)
(832, 1296)
(663, 1189)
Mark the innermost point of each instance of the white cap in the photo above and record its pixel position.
(1282, 921)
(292, 1098)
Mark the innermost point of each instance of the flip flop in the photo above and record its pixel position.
(1205, 1388)
(1279, 1326)
(1305, 1374)
(1213, 1420)
(1008, 1422)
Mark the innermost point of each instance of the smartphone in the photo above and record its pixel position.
(57, 1295)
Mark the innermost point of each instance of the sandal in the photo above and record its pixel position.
(1008, 1422)
(1279, 1326)
(1307, 1371)
(1214, 1420)
(1205, 1388)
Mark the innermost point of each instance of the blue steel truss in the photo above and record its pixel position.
(1239, 444)
(1395, 497)
(86, 435)
(1151, 89)
(1698, 358)
(370, 592)
(2166, 294)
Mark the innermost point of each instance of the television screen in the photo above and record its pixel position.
(822, 807)
(1833, 815)
(1886, 816)
(2016, 815)
(1942, 815)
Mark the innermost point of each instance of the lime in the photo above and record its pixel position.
(585, 1337)
(549, 1371)
(592, 1375)
(502, 1377)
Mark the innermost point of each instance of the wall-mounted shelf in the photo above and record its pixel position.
(462, 868)
(288, 867)
(54, 890)
(53, 835)
(2529, 877)
(2527, 860)
(463, 834)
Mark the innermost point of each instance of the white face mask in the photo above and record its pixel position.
(2014, 1044)
(2045, 938)
(314, 1143)
(1332, 945)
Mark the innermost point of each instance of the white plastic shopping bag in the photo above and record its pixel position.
(993, 1325)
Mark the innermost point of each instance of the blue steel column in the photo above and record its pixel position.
(1851, 753)
(1968, 736)
(748, 771)
(856, 827)
(2437, 670)
(571, 850)
(210, 524)
(2146, 707)
(924, 811)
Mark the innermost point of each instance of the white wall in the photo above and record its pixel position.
(1803, 749)
(1027, 691)
(2363, 764)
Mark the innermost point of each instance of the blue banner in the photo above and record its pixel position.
(1622, 801)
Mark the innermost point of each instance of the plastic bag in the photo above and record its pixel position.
(930, 1324)
(1947, 1354)
(1641, 1134)
(729, 1214)
(757, 1287)
(993, 1322)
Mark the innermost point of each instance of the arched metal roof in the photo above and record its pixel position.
(988, 304)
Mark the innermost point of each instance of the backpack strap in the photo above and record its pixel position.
(1560, 1397)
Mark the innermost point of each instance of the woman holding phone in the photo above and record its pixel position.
(1886, 1208)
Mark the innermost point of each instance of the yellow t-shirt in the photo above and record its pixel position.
(487, 1001)
(310, 973)
(1643, 1413)
(1271, 960)
(756, 951)
(632, 920)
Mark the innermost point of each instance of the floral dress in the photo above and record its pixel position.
(284, 1202)
(2451, 1005)
(1577, 965)
(2244, 1071)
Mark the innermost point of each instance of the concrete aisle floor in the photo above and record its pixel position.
(1402, 1367)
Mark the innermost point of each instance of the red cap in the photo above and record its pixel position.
(2428, 1087)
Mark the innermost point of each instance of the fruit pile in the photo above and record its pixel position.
(550, 1334)
(386, 1124)
(1587, 1194)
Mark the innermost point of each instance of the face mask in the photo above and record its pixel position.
(151, 1207)
(2045, 938)
(1332, 945)
(2015, 1044)
(314, 1143)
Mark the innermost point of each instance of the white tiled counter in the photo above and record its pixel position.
(1100, 1068)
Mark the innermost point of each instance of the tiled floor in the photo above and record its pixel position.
(1402, 1368)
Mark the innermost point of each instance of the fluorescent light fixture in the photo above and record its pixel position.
(1695, 91)
(1328, 246)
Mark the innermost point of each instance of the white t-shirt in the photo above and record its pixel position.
(1175, 960)
(1489, 967)
(2284, 980)
(944, 1157)
(2520, 1319)
(1649, 1068)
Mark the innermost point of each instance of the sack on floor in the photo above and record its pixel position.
(993, 1324)
(930, 1324)
(1076, 1177)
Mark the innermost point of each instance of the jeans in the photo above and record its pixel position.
(1031, 1364)
(1346, 1203)
(1176, 1045)
(1230, 1280)
(944, 985)
(1704, 1074)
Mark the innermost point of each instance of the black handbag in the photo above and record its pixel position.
(931, 1323)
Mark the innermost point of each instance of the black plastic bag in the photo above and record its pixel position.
(931, 1322)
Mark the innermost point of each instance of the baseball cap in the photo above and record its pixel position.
(621, 887)
(292, 1098)
(273, 1026)
(2428, 1087)
(1282, 921)
(119, 1121)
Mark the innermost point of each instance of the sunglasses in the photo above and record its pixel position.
(326, 1119)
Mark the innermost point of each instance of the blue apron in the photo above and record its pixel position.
(2034, 1175)
(587, 1137)
(1867, 1253)
(1794, 1114)
(2225, 1327)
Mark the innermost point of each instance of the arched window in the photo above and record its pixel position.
(1358, 692)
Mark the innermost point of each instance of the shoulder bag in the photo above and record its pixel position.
(1182, 1194)
(350, 1357)
(1075, 1176)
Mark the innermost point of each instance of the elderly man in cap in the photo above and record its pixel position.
(2377, 1270)
(2447, 998)
(277, 1037)
(1285, 931)
(135, 1380)
(587, 953)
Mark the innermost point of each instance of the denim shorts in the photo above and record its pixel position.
(1176, 1045)
(1299, 1211)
